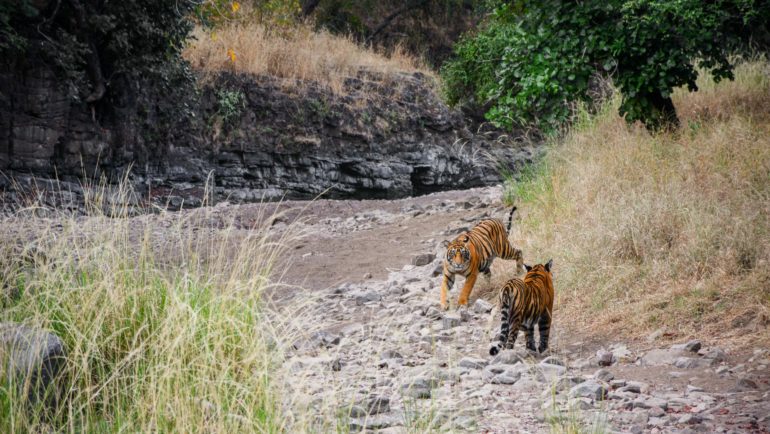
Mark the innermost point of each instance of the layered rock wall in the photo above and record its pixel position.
(251, 138)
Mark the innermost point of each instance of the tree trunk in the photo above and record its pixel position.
(664, 114)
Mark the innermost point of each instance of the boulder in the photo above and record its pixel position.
(36, 358)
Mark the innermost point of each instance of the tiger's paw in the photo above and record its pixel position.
(444, 306)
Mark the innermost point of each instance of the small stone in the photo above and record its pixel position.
(552, 360)
(367, 298)
(419, 388)
(336, 365)
(482, 306)
(510, 357)
(746, 384)
(690, 419)
(548, 373)
(422, 259)
(390, 354)
(580, 404)
(605, 358)
(472, 363)
(368, 276)
(451, 320)
(433, 313)
(652, 337)
(715, 354)
(604, 375)
(656, 412)
(507, 377)
(693, 346)
(616, 383)
(589, 389)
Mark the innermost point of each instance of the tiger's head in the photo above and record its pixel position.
(539, 268)
(458, 253)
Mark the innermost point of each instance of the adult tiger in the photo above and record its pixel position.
(473, 252)
(524, 302)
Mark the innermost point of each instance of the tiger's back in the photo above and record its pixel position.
(525, 303)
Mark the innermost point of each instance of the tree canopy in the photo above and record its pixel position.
(533, 59)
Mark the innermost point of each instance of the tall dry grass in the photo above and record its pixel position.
(661, 231)
(162, 317)
(292, 53)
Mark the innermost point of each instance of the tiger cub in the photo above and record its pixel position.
(473, 252)
(523, 303)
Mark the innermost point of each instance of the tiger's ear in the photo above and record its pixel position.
(528, 267)
(445, 243)
(548, 265)
(466, 239)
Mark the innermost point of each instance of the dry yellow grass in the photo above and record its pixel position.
(296, 53)
(661, 231)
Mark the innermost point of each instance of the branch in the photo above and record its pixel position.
(92, 57)
(308, 6)
(386, 22)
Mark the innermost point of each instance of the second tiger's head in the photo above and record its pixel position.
(458, 253)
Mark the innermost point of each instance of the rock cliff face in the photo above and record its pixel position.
(251, 137)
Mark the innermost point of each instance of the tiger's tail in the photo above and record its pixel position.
(505, 327)
(510, 219)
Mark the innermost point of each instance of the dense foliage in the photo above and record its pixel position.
(93, 43)
(532, 60)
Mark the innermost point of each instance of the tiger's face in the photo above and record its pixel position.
(458, 255)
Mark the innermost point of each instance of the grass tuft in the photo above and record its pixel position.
(162, 317)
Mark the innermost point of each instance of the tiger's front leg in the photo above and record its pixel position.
(446, 284)
(466, 291)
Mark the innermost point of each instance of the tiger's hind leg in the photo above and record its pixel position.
(528, 328)
(544, 326)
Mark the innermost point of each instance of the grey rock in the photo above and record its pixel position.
(746, 384)
(580, 404)
(691, 362)
(35, 357)
(553, 360)
(659, 357)
(507, 377)
(547, 373)
(693, 346)
(419, 387)
(451, 320)
(472, 363)
(605, 358)
(715, 354)
(422, 259)
(690, 419)
(373, 404)
(589, 389)
(481, 306)
(377, 422)
(367, 297)
(434, 313)
(604, 375)
(510, 357)
(390, 354)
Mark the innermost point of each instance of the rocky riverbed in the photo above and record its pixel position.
(367, 349)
